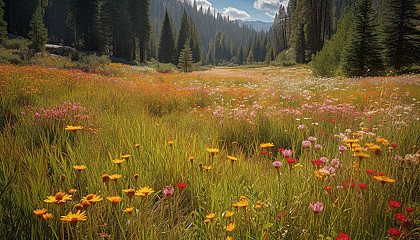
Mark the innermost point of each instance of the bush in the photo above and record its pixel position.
(7, 56)
(284, 58)
(50, 60)
(94, 61)
(17, 44)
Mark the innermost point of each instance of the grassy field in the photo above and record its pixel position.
(207, 145)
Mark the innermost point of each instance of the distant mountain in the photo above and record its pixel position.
(259, 25)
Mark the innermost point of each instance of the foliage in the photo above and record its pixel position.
(185, 58)
(167, 48)
(7, 56)
(38, 33)
(3, 24)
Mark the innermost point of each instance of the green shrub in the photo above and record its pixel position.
(7, 56)
(18, 44)
(95, 61)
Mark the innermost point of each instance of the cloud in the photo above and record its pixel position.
(269, 5)
(204, 3)
(272, 16)
(235, 13)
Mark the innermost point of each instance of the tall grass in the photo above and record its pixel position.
(229, 109)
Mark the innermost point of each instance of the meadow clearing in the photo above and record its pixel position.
(121, 152)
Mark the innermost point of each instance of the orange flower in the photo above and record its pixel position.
(47, 216)
(106, 178)
(39, 212)
(114, 200)
(384, 179)
(210, 215)
(130, 192)
(74, 218)
(115, 177)
(79, 168)
(92, 198)
(118, 161)
(129, 210)
(126, 156)
(73, 128)
(58, 198)
(72, 191)
(144, 191)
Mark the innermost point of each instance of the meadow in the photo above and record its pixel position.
(123, 152)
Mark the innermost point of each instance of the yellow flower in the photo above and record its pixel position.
(379, 140)
(210, 215)
(39, 212)
(369, 144)
(92, 198)
(106, 178)
(115, 177)
(230, 227)
(126, 156)
(79, 168)
(243, 203)
(191, 159)
(144, 191)
(351, 140)
(233, 159)
(206, 221)
(212, 150)
(114, 200)
(129, 192)
(258, 207)
(266, 145)
(118, 161)
(170, 143)
(229, 238)
(207, 168)
(357, 149)
(260, 203)
(362, 155)
(229, 214)
(86, 204)
(73, 128)
(72, 191)
(356, 134)
(384, 179)
(74, 218)
(137, 145)
(129, 210)
(58, 198)
(47, 216)
(298, 165)
(319, 174)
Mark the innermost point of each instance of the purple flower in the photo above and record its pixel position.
(342, 148)
(317, 207)
(335, 161)
(168, 190)
(301, 127)
(277, 164)
(324, 159)
(312, 139)
(306, 144)
(287, 152)
(318, 146)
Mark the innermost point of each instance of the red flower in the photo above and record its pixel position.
(291, 160)
(264, 152)
(409, 209)
(362, 186)
(394, 144)
(324, 118)
(342, 236)
(380, 174)
(323, 133)
(280, 149)
(181, 185)
(394, 205)
(401, 217)
(328, 188)
(371, 172)
(348, 180)
(316, 162)
(282, 214)
(353, 185)
(394, 232)
(333, 121)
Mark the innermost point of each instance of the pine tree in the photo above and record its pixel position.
(145, 28)
(167, 43)
(300, 47)
(402, 39)
(185, 58)
(183, 33)
(241, 56)
(38, 32)
(362, 54)
(250, 58)
(3, 24)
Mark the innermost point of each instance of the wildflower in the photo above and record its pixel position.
(306, 144)
(129, 192)
(287, 152)
(301, 127)
(114, 200)
(206, 221)
(212, 151)
(232, 159)
(126, 156)
(40, 212)
(311, 139)
(105, 178)
(401, 217)
(319, 174)
(277, 164)
(86, 204)
(394, 145)
(58, 198)
(79, 168)
(79, 206)
(72, 191)
(280, 149)
(47, 216)
(362, 186)
(228, 214)
(318, 146)
(394, 233)
(317, 207)
(129, 210)
(170, 143)
(266, 145)
(137, 145)
(243, 203)
(409, 209)
(191, 159)
(136, 176)
(290, 160)
(118, 161)
(297, 165)
(210, 215)
(370, 172)
(282, 214)
(207, 168)
(74, 218)
(230, 227)
(362, 155)
(328, 188)
(264, 152)
(168, 191)
(115, 177)
(144, 191)
(384, 179)
(342, 149)
(73, 128)
(181, 185)
(324, 159)
(394, 205)
(342, 236)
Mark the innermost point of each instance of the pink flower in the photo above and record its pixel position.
(181, 185)
(342, 236)
(311, 139)
(328, 188)
(318, 146)
(333, 121)
(282, 214)
(317, 207)
(324, 160)
(342, 148)
(287, 152)
(277, 164)
(168, 191)
(306, 144)
(301, 127)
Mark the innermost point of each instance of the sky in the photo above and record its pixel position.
(246, 10)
